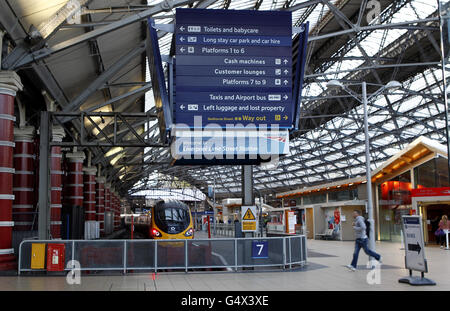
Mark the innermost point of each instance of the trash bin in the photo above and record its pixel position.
(56, 257)
(37, 255)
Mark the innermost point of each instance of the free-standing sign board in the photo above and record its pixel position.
(414, 244)
(249, 221)
(414, 250)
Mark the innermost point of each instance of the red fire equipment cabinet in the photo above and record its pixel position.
(55, 257)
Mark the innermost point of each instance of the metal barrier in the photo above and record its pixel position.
(154, 255)
(224, 229)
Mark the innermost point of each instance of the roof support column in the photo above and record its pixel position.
(10, 84)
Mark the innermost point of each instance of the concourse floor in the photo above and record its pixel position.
(325, 271)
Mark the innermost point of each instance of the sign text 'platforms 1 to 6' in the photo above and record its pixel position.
(234, 67)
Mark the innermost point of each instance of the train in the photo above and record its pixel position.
(171, 219)
(167, 219)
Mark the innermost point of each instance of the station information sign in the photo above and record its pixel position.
(233, 67)
(260, 249)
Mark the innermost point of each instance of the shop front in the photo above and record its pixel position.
(423, 164)
(394, 202)
(431, 204)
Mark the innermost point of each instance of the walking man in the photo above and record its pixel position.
(362, 240)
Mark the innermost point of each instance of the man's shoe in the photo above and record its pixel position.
(351, 268)
(380, 260)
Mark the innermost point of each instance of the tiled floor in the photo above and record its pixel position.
(322, 273)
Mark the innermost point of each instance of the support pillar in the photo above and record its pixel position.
(75, 194)
(75, 178)
(116, 211)
(108, 222)
(119, 209)
(23, 208)
(248, 198)
(89, 202)
(100, 207)
(44, 177)
(9, 85)
(113, 209)
(56, 174)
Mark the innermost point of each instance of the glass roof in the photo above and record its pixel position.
(334, 149)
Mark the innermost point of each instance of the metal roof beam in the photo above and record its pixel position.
(45, 52)
(103, 78)
(123, 96)
(49, 27)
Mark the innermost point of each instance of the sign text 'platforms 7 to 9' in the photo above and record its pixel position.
(234, 67)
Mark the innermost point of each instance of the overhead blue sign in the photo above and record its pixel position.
(198, 145)
(233, 67)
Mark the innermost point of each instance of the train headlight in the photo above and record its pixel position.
(156, 233)
(190, 232)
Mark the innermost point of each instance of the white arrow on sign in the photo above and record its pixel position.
(285, 97)
(285, 82)
(285, 61)
(182, 49)
(182, 107)
(182, 39)
(286, 71)
(182, 28)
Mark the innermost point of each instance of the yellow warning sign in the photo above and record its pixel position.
(249, 215)
(249, 226)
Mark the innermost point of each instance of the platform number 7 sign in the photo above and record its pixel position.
(260, 249)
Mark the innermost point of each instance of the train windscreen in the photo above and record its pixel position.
(172, 220)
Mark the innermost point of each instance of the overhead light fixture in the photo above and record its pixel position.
(393, 85)
(334, 85)
(115, 159)
(113, 151)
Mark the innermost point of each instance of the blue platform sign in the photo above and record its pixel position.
(260, 249)
(233, 67)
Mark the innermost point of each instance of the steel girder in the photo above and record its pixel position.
(329, 140)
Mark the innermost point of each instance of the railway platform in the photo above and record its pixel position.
(325, 271)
